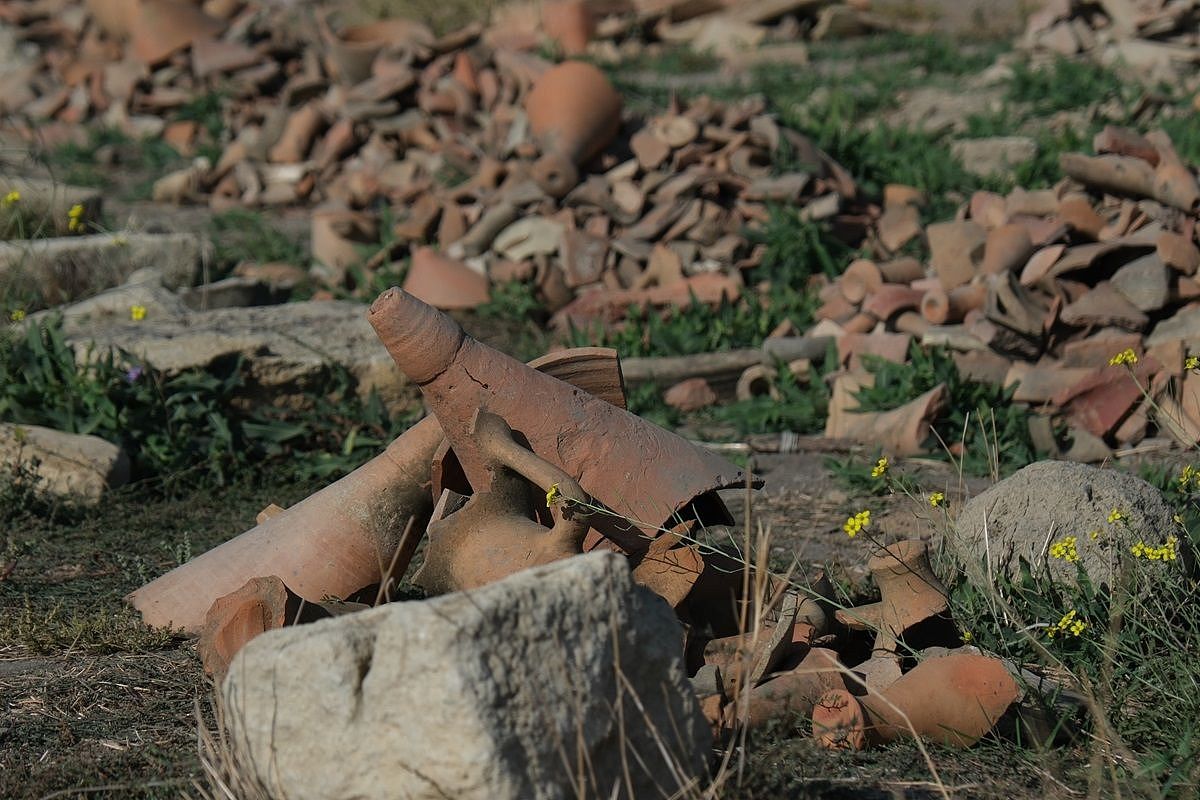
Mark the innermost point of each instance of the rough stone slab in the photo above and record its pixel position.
(995, 155)
(67, 465)
(74, 267)
(287, 349)
(496, 693)
(43, 207)
(1022, 515)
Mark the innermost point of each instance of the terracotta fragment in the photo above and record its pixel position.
(161, 28)
(910, 592)
(794, 693)
(261, 605)
(457, 373)
(1178, 252)
(891, 299)
(298, 135)
(860, 279)
(1104, 305)
(569, 24)
(1041, 383)
(574, 112)
(902, 270)
(352, 50)
(492, 536)
(1008, 248)
(902, 431)
(444, 282)
(956, 250)
(690, 395)
(939, 306)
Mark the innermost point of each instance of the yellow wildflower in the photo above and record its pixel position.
(1094, 535)
(1065, 549)
(881, 466)
(11, 198)
(1070, 624)
(17, 315)
(1126, 356)
(1189, 476)
(75, 218)
(1168, 551)
(936, 499)
(137, 313)
(857, 523)
(1192, 363)
(1116, 515)
(552, 495)
(966, 637)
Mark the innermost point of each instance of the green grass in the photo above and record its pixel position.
(993, 431)
(241, 234)
(187, 429)
(1066, 84)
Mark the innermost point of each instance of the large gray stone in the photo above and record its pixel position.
(520, 689)
(68, 268)
(67, 465)
(287, 349)
(994, 155)
(1024, 514)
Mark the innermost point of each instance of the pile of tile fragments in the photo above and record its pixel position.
(520, 169)
(1155, 37)
(578, 478)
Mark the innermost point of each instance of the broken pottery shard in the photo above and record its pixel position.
(795, 692)
(443, 282)
(710, 288)
(954, 700)
(638, 470)
(956, 250)
(459, 669)
(163, 27)
(690, 395)
(898, 225)
(261, 605)
(1178, 252)
(902, 432)
(1101, 401)
(492, 535)
(1145, 282)
(1104, 305)
(569, 24)
(910, 592)
(1008, 248)
(1041, 383)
